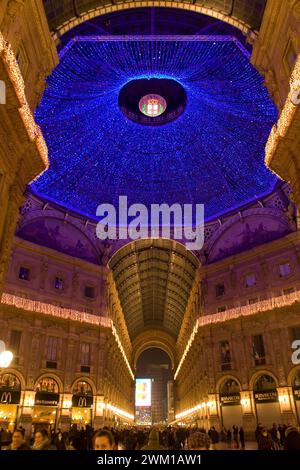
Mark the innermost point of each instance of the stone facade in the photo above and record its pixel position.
(104, 369)
(27, 56)
(233, 313)
(276, 56)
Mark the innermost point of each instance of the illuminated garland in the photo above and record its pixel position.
(114, 331)
(238, 312)
(120, 412)
(212, 154)
(66, 314)
(280, 130)
(189, 411)
(13, 71)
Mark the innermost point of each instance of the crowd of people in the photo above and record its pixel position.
(167, 438)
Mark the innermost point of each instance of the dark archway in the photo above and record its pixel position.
(155, 364)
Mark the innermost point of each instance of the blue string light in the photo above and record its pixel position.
(212, 154)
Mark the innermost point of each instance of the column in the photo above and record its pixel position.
(65, 412)
(287, 405)
(212, 411)
(99, 407)
(27, 412)
(249, 414)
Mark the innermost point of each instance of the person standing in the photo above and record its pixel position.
(258, 431)
(153, 441)
(223, 434)
(242, 438)
(281, 430)
(275, 436)
(265, 441)
(235, 431)
(292, 439)
(59, 441)
(228, 438)
(214, 437)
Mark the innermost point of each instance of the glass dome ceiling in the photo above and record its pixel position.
(212, 154)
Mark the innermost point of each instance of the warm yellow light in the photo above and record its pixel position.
(283, 398)
(67, 404)
(120, 412)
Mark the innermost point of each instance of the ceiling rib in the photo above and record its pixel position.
(153, 278)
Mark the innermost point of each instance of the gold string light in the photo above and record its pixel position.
(15, 76)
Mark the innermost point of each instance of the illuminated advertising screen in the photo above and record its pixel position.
(143, 416)
(143, 392)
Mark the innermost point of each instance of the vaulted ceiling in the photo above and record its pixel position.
(153, 278)
(247, 12)
(212, 154)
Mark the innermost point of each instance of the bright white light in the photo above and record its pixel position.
(143, 392)
(5, 359)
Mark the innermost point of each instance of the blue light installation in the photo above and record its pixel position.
(213, 153)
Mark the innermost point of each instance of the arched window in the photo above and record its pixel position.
(264, 383)
(47, 384)
(296, 380)
(229, 386)
(82, 388)
(9, 382)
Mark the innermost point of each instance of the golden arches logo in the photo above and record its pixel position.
(82, 402)
(5, 397)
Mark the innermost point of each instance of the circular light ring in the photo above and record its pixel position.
(168, 94)
(152, 105)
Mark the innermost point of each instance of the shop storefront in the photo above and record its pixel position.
(82, 404)
(230, 403)
(10, 395)
(296, 393)
(266, 401)
(46, 404)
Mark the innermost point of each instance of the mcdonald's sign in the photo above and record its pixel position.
(82, 401)
(46, 399)
(10, 397)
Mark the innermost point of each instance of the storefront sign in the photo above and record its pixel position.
(297, 393)
(82, 401)
(46, 399)
(229, 400)
(266, 397)
(10, 396)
